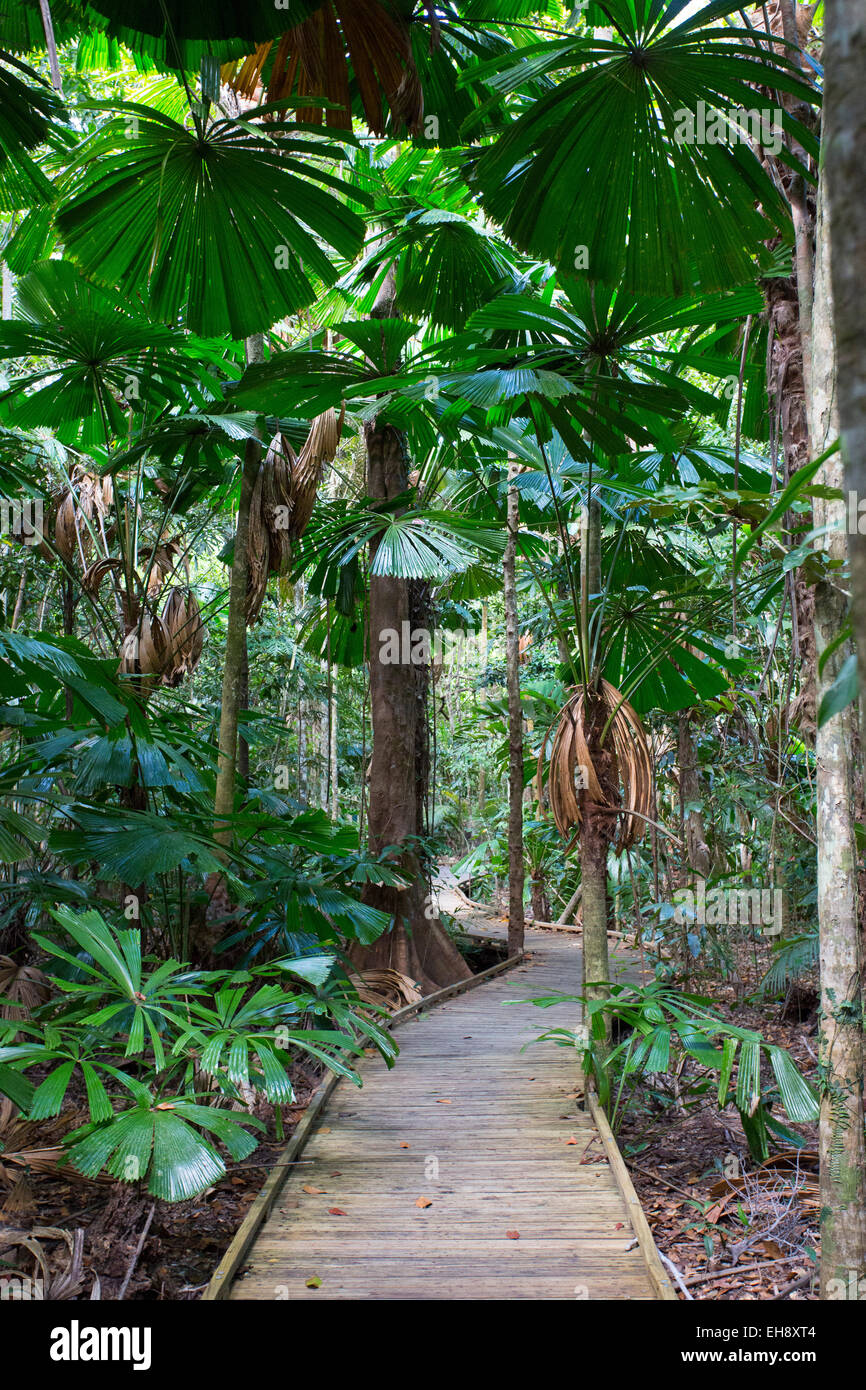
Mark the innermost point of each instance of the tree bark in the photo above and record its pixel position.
(206, 924)
(516, 872)
(243, 767)
(595, 830)
(697, 849)
(844, 140)
(417, 943)
(840, 1133)
(236, 633)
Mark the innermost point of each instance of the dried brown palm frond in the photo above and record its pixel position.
(389, 989)
(313, 58)
(277, 500)
(95, 573)
(87, 499)
(34, 1146)
(22, 986)
(49, 1281)
(181, 619)
(145, 652)
(320, 448)
(166, 557)
(573, 769)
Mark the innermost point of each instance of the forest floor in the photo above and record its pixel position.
(735, 1229)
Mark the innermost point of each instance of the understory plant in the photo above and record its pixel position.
(172, 1061)
(675, 1048)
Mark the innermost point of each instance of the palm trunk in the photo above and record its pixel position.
(243, 705)
(516, 876)
(697, 848)
(840, 1135)
(236, 633)
(595, 831)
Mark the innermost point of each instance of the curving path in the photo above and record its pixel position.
(469, 1171)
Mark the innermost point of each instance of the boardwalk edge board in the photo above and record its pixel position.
(640, 1225)
(221, 1282)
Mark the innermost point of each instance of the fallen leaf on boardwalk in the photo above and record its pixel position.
(512, 1235)
(338, 1173)
(620, 1226)
(443, 1102)
(403, 1146)
(423, 1202)
(314, 1282)
(336, 1211)
(324, 1129)
(314, 1190)
(572, 1140)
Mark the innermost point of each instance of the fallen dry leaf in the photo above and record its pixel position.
(336, 1211)
(314, 1190)
(324, 1129)
(512, 1235)
(423, 1202)
(572, 1140)
(402, 1146)
(443, 1102)
(314, 1282)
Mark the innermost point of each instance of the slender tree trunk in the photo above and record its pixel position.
(51, 44)
(595, 830)
(417, 943)
(697, 848)
(564, 918)
(840, 1136)
(236, 633)
(516, 876)
(243, 706)
(18, 610)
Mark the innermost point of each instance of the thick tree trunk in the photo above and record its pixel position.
(417, 943)
(841, 1141)
(516, 875)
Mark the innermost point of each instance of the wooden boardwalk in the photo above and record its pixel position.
(467, 1172)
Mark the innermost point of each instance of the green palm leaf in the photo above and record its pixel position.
(221, 229)
(101, 363)
(596, 162)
